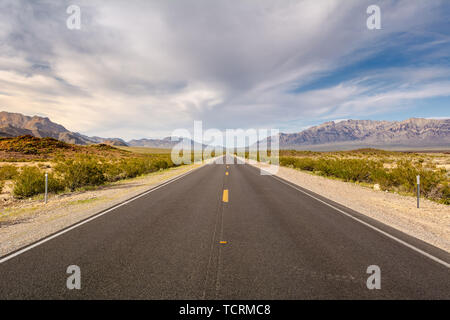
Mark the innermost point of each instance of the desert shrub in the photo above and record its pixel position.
(90, 171)
(55, 183)
(434, 184)
(134, 167)
(287, 162)
(431, 183)
(8, 172)
(382, 177)
(445, 198)
(404, 175)
(113, 171)
(404, 178)
(80, 172)
(2, 184)
(307, 164)
(31, 181)
(346, 169)
(160, 164)
(355, 170)
(87, 171)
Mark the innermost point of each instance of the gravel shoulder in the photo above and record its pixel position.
(27, 221)
(430, 223)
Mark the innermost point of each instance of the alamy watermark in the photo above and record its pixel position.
(74, 280)
(374, 20)
(73, 22)
(374, 280)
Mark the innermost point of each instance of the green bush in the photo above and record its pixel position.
(403, 177)
(160, 165)
(113, 172)
(84, 171)
(90, 171)
(8, 172)
(31, 181)
(445, 199)
(130, 168)
(346, 169)
(80, 172)
(434, 183)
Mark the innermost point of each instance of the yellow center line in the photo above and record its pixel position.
(225, 195)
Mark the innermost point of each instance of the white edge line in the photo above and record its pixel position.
(76, 225)
(370, 226)
(426, 254)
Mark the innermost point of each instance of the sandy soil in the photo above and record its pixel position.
(430, 223)
(27, 221)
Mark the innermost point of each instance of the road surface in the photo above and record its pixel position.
(260, 239)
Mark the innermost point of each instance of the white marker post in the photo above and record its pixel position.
(46, 187)
(418, 191)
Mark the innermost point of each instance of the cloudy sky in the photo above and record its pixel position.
(144, 68)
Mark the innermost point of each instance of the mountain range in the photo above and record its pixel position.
(165, 143)
(16, 124)
(414, 133)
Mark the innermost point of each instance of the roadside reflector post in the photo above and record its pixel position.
(46, 187)
(418, 191)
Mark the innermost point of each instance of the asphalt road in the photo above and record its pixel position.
(268, 241)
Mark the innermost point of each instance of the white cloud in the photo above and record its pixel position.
(143, 68)
(439, 118)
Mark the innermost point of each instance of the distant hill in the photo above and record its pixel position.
(16, 124)
(165, 143)
(110, 141)
(30, 147)
(413, 133)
